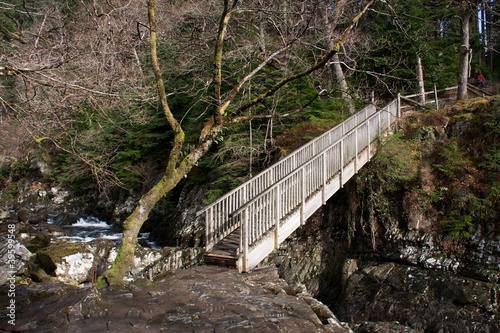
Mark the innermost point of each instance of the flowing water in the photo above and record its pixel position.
(90, 228)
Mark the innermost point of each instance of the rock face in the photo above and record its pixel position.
(412, 282)
(425, 300)
(200, 299)
(176, 224)
(13, 256)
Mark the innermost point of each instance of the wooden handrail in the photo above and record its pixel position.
(272, 187)
(218, 222)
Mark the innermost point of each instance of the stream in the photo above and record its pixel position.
(90, 228)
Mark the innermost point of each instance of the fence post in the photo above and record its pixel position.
(399, 106)
(436, 97)
(208, 226)
(369, 139)
(379, 123)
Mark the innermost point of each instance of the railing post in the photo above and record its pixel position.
(208, 226)
(342, 162)
(399, 105)
(323, 198)
(356, 150)
(303, 196)
(368, 139)
(277, 209)
(244, 239)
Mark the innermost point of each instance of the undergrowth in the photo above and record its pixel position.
(442, 169)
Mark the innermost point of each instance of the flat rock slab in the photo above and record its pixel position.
(200, 299)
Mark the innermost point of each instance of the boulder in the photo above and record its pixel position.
(151, 263)
(13, 256)
(33, 239)
(70, 263)
(65, 219)
(4, 213)
(32, 215)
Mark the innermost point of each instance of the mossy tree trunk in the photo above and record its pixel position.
(178, 168)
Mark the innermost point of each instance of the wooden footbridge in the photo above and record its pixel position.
(247, 223)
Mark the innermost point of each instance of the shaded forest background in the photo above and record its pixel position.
(79, 102)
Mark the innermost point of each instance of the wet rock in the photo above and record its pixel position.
(200, 299)
(65, 219)
(424, 300)
(54, 230)
(103, 250)
(59, 195)
(24, 215)
(52, 306)
(383, 327)
(13, 256)
(33, 239)
(151, 263)
(4, 213)
(70, 263)
(123, 209)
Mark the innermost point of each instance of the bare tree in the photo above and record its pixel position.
(177, 166)
(73, 59)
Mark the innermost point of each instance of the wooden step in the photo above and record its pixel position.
(220, 260)
(225, 253)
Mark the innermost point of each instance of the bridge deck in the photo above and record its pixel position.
(249, 222)
(225, 252)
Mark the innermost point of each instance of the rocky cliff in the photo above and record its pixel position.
(399, 248)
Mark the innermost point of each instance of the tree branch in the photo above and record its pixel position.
(179, 133)
(277, 115)
(308, 71)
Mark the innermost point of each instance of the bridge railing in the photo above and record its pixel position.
(218, 214)
(264, 212)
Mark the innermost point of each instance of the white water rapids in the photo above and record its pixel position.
(90, 228)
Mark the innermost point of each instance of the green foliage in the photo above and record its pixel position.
(438, 195)
(112, 142)
(458, 225)
(453, 182)
(452, 160)
(420, 28)
(219, 187)
(13, 173)
(299, 135)
(397, 161)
